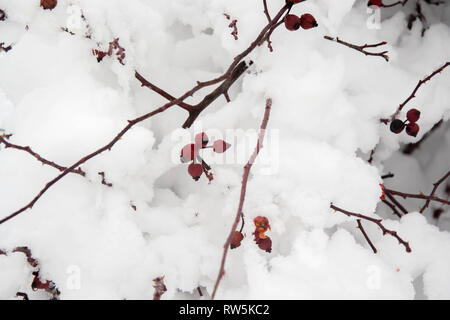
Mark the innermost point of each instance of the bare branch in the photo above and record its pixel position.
(362, 48)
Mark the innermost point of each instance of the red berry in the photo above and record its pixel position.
(188, 153)
(378, 3)
(413, 115)
(292, 22)
(307, 21)
(262, 224)
(49, 4)
(236, 239)
(397, 126)
(265, 244)
(220, 146)
(201, 139)
(412, 129)
(195, 170)
(294, 1)
(2, 15)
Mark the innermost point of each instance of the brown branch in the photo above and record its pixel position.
(360, 227)
(413, 94)
(3, 48)
(419, 196)
(104, 182)
(363, 47)
(227, 77)
(7, 144)
(435, 186)
(266, 10)
(245, 176)
(393, 207)
(395, 202)
(378, 222)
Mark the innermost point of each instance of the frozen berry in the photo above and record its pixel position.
(2, 15)
(292, 22)
(220, 146)
(412, 129)
(262, 224)
(265, 244)
(307, 21)
(201, 139)
(236, 239)
(187, 153)
(195, 170)
(378, 3)
(413, 115)
(397, 126)
(49, 4)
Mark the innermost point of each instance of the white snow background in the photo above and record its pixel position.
(327, 102)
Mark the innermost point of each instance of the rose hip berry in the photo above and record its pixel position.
(2, 15)
(307, 21)
(220, 146)
(265, 244)
(187, 153)
(195, 170)
(236, 239)
(292, 22)
(397, 126)
(378, 3)
(49, 4)
(413, 115)
(412, 129)
(201, 139)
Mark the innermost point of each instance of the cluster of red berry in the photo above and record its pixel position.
(264, 242)
(412, 128)
(293, 22)
(190, 152)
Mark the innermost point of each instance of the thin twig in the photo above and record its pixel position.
(363, 47)
(360, 227)
(413, 94)
(27, 149)
(429, 198)
(266, 10)
(393, 207)
(395, 202)
(245, 176)
(435, 186)
(378, 222)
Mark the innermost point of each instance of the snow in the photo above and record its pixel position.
(327, 102)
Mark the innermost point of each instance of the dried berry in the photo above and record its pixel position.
(2, 15)
(378, 3)
(413, 115)
(195, 170)
(292, 22)
(236, 239)
(201, 139)
(188, 153)
(412, 129)
(397, 126)
(49, 4)
(220, 146)
(307, 21)
(265, 244)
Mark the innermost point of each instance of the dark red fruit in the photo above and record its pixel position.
(292, 22)
(265, 244)
(378, 3)
(413, 115)
(236, 239)
(195, 170)
(49, 4)
(2, 15)
(188, 153)
(220, 146)
(261, 224)
(201, 139)
(412, 129)
(307, 21)
(397, 126)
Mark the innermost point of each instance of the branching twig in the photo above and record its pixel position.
(411, 147)
(429, 198)
(245, 176)
(394, 201)
(236, 68)
(413, 94)
(378, 222)
(435, 186)
(7, 144)
(362, 48)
